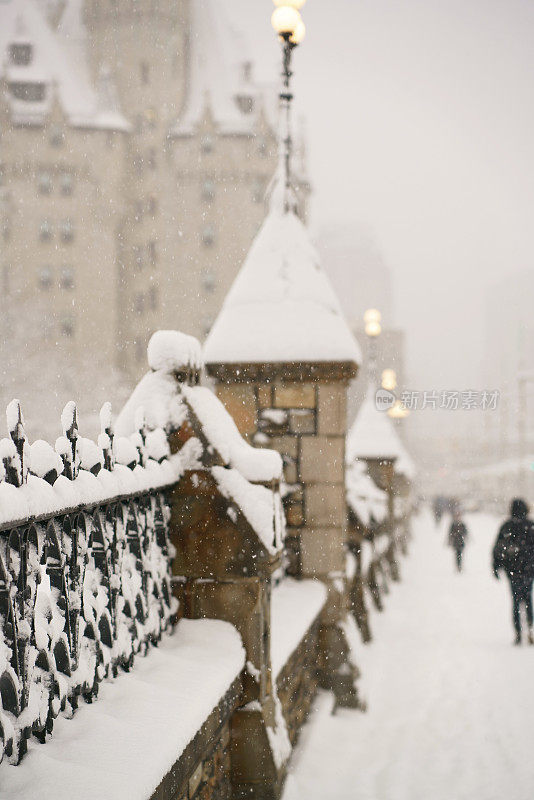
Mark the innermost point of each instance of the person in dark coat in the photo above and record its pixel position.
(514, 554)
(458, 537)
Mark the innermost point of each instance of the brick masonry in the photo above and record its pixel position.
(304, 419)
(306, 423)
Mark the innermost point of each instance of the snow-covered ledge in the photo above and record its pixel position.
(295, 605)
(124, 745)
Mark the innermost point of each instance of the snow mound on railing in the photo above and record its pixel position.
(173, 351)
(253, 463)
(256, 502)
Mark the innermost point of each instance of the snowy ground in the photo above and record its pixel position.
(451, 702)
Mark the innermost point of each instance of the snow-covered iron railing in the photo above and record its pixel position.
(85, 566)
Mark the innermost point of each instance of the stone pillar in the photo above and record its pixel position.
(300, 411)
(382, 471)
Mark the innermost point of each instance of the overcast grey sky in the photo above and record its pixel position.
(420, 123)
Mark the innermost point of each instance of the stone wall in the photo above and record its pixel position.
(203, 771)
(297, 683)
(305, 422)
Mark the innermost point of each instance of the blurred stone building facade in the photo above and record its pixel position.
(135, 150)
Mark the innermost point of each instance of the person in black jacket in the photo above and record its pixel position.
(458, 537)
(514, 553)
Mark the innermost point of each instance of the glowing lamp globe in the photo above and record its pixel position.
(298, 34)
(389, 380)
(372, 315)
(285, 20)
(373, 328)
(398, 411)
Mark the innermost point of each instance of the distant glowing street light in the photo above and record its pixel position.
(389, 380)
(372, 318)
(398, 411)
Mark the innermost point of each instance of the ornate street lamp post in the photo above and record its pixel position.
(373, 329)
(287, 22)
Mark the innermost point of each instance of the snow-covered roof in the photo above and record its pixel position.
(373, 435)
(60, 62)
(281, 306)
(218, 75)
(141, 724)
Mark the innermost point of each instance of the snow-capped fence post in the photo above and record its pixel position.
(227, 529)
(282, 356)
(18, 468)
(382, 471)
(374, 442)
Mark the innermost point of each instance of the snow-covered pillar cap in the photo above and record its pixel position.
(176, 353)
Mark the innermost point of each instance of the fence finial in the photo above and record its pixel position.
(69, 424)
(105, 439)
(139, 438)
(15, 425)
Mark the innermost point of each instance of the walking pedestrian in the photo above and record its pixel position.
(514, 554)
(457, 537)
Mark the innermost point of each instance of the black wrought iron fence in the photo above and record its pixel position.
(83, 589)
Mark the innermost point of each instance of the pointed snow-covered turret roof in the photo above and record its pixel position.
(219, 75)
(281, 307)
(57, 61)
(373, 436)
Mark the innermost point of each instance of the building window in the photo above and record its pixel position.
(206, 143)
(45, 231)
(45, 183)
(245, 103)
(208, 190)
(139, 305)
(208, 280)
(67, 327)
(152, 205)
(139, 260)
(153, 298)
(67, 231)
(145, 72)
(152, 251)
(57, 136)
(27, 91)
(66, 183)
(66, 280)
(208, 236)
(21, 54)
(45, 278)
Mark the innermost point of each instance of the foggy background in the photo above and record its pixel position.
(419, 124)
